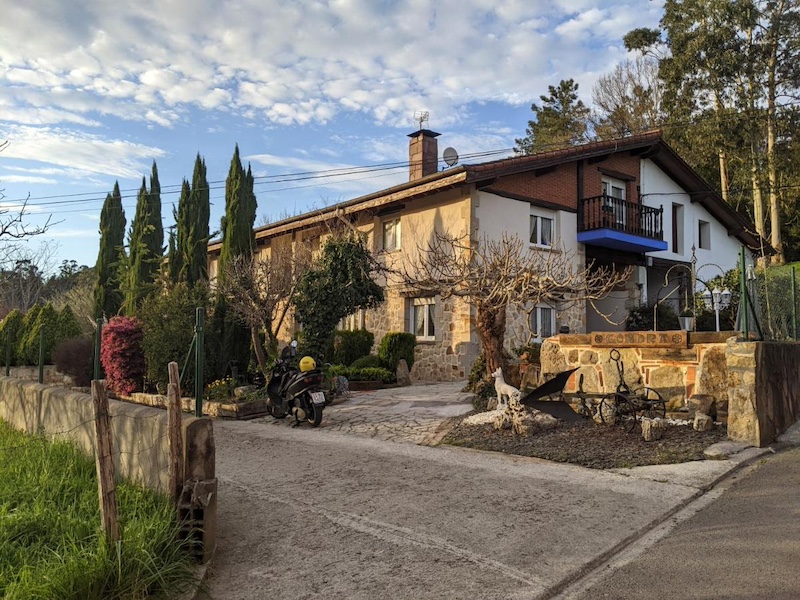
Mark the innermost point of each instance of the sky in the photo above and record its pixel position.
(93, 92)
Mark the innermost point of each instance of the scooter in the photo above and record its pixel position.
(295, 391)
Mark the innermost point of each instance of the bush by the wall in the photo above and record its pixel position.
(396, 345)
(10, 331)
(364, 374)
(28, 320)
(122, 355)
(46, 321)
(168, 321)
(68, 326)
(370, 360)
(75, 357)
(349, 346)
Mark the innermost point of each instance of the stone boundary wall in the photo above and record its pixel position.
(763, 390)
(51, 375)
(677, 374)
(141, 445)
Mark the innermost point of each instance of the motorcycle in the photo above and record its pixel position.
(296, 391)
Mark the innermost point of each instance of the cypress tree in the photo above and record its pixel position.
(107, 294)
(177, 256)
(194, 245)
(146, 243)
(237, 239)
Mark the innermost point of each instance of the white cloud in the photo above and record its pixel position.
(80, 151)
(27, 179)
(301, 62)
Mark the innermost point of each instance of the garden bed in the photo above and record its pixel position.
(590, 445)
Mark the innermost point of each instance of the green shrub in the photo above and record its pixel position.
(10, 331)
(477, 372)
(168, 321)
(47, 320)
(396, 345)
(370, 360)
(349, 346)
(75, 357)
(641, 319)
(363, 374)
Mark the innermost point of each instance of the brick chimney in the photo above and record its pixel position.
(423, 154)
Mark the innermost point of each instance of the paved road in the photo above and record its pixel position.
(744, 545)
(315, 513)
(404, 414)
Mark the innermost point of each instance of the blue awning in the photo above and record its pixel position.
(620, 240)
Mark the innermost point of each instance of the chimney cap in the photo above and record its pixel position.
(424, 133)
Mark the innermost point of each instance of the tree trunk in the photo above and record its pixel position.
(259, 350)
(723, 175)
(772, 174)
(490, 322)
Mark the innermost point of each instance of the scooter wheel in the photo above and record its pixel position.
(314, 413)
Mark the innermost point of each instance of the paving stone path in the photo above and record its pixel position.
(419, 414)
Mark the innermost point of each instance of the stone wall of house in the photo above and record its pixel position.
(676, 373)
(762, 389)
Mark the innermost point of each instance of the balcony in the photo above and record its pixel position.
(615, 223)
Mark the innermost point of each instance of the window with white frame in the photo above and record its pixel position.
(541, 230)
(391, 234)
(614, 199)
(543, 321)
(422, 318)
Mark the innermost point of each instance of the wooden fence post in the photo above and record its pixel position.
(176, 475)
(106, 486)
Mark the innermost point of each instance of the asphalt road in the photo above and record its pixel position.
(744, 545)
(309, 513)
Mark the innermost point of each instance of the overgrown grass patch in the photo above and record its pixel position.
(51, 544)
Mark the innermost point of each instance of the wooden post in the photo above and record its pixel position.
(176, 475)
(106, 486)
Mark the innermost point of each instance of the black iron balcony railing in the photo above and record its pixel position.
(606, 212)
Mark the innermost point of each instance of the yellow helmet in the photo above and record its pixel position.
(307, 364)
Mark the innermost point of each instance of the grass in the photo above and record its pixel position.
(51, 544)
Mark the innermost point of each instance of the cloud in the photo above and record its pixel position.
(82, 152)
(27, 179)
(302, 62)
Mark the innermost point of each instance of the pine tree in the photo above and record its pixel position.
(107, 295)
(562, 120)
(146, 244)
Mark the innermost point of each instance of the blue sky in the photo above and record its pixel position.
(94, 91)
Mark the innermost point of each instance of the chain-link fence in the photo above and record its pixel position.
(772, 309)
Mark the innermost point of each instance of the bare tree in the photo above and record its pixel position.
(258, 290)
(628, 99)
(22, 274)
(494, 275)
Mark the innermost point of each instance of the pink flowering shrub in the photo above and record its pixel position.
(122, 355)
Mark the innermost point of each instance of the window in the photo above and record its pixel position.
(543, 321)
(541, 231)
(355, 321)
(391, 234)
(677, 228)
(422, 318)
(704, 235)
(614, 200)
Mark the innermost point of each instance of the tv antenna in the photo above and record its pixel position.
(421, 116)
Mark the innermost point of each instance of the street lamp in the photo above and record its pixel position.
(717, 300)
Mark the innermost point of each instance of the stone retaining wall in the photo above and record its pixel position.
(763, 390)
(676, 373)
(51, 375)
(753, 384)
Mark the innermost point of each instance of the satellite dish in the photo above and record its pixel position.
(450, 156)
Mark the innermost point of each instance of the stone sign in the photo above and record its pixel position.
(640, 339)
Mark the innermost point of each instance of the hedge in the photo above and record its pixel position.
(396, 345)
